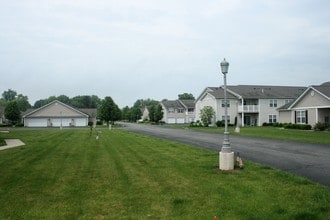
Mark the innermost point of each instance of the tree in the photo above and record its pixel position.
(207, 114)
(9, 95)
(22, 102)
(65, 99)
(186, 96)
(136, 113)
(108, 111)
(159, 113)
(126, 113)
(155, 113)
(84, 101)
(12, 112)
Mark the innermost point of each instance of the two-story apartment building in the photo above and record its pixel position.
(248, 105)
(178, 111)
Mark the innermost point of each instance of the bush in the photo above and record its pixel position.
(196, 124)
(320, 126)
(220, 123)
(297, 126)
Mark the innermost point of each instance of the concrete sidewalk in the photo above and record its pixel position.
(12, 143)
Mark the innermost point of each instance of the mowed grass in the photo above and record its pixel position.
(68, 174)
(310, 136)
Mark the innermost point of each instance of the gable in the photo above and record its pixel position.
(56, 109)
(312, 98)
(207, 97)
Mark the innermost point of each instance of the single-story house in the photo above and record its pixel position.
(311, 107)
(58, 114)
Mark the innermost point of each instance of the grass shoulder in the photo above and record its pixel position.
(309, 136)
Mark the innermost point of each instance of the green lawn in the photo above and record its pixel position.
(311, 136)
(68, 174)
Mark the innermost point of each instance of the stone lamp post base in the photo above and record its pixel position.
(226, 161)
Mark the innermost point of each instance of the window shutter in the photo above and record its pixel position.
(306, 113)
(295, 117)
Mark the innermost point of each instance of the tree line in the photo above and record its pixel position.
(107, 110)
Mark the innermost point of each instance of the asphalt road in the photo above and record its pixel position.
(304, 159)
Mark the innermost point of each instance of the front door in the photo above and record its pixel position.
(247, 120)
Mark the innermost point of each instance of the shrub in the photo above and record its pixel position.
(196, 124)
(320, 126)
(220, 123)
(297, 126)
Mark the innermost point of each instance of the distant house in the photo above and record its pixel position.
(178, 111)
(58, 114)
(312, 106)
(248, 105)
(145, 114)
(2, 115)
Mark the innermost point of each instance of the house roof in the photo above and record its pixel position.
(323, 89)
(256, 92)
(172, 104)
(188, 103)
(59, 109)
(91, 112)
(267, 92)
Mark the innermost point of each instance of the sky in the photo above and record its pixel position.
(139, 49)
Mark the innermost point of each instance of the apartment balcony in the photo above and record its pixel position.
(248, 108)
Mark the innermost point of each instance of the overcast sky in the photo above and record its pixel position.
(138, 49)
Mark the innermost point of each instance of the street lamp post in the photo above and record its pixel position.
(226, 156)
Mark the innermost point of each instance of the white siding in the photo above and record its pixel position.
(180, 121)
(171, 121)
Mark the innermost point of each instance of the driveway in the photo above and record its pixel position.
(304, 159)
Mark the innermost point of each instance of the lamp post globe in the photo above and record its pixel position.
(226, 156)
(224, 66)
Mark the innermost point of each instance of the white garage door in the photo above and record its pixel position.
(171, 121)
(80, 122)
(180, 120)
(36, 122)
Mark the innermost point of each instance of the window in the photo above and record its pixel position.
(223, 103)
(272, 103)
(287, 101)
(190, 109)
(301, 117)
(272, 119)
(228, 119)
(180, 110)
(171, 110)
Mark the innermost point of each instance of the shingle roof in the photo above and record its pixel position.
(258, 92)
(172, 104)
(266, 92)
(324, 89)
(189, 103)
(218, 93)
(91, 112)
